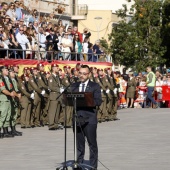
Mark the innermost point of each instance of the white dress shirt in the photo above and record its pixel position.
(22, 40)
(85, 86)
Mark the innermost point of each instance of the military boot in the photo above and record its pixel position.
(14, 132)
(1, 134)
(6, 133)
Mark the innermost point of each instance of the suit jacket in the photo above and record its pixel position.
(89, 114)
(52, 41)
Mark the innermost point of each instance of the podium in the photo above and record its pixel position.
(76, 99)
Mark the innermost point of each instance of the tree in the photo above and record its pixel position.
(136, 39)
(166, 30)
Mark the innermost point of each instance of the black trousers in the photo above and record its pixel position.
(90, 132)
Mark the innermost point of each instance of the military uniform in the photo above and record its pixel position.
(67, 111)
(26, 103)
(5, 105)
(43, 85)
(33, 81)
(54, 103)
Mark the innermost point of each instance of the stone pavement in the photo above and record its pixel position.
(139, 141)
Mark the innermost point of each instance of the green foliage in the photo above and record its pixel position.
(136, 40)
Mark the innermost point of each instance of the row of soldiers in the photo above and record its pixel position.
(35, 99)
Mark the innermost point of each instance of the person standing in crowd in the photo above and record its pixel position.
(151, 79)
(6, 95)
(131, 89)
(67, 46)
(77, 48)
(87, 128)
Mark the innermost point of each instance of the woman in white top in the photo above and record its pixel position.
(67, 45)
(85, 48)
(11, 12)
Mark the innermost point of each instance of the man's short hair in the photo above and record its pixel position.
(85, 66)
(3, 3)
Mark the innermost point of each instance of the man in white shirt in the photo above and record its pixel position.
(22, 39)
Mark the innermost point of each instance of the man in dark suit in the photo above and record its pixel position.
(88, 127)
(52, 40)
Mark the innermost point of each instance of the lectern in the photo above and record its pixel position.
(76, 99)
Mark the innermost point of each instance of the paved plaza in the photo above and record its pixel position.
(139, 141)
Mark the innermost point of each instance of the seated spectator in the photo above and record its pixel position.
(34, 16)
(7, 19)
(2, 44)
(11, 12)
(35, 26)
(4, 6)
(18, 11)
(22, 40)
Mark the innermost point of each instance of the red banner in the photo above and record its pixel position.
(165, 92)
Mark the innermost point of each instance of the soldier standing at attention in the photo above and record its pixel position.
(54, 104)
(33, 80)
(66, 81)
(14, 103)
(26, 101)
(43, 85)
(5, 102)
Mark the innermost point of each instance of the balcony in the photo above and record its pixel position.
(79, 12)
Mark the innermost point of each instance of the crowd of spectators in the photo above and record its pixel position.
(34, 38)
(138, 98)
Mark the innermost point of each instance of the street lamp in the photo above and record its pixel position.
(98, 25)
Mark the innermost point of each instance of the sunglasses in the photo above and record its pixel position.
(21, 30)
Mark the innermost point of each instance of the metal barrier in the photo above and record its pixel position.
(42, 54)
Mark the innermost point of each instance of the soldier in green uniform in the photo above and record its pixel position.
(14, 103)
(5, 102)
(54, 104)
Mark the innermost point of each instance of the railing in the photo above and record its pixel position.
(54, 55)
(80, 9)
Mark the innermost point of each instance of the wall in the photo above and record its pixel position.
(92, 24)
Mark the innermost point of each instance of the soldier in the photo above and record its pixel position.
(6, 96)
(111, 85)
(67, 111)
(74, 72)
(14, 102)
(102, 113)
(27, 97)
(54, 104)
(43, 85)
(116, 96)
(39, 93)
(16, 71)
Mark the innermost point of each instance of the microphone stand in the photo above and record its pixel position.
(75, 165)
(65, 132)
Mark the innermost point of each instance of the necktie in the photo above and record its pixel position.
(83, 86)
